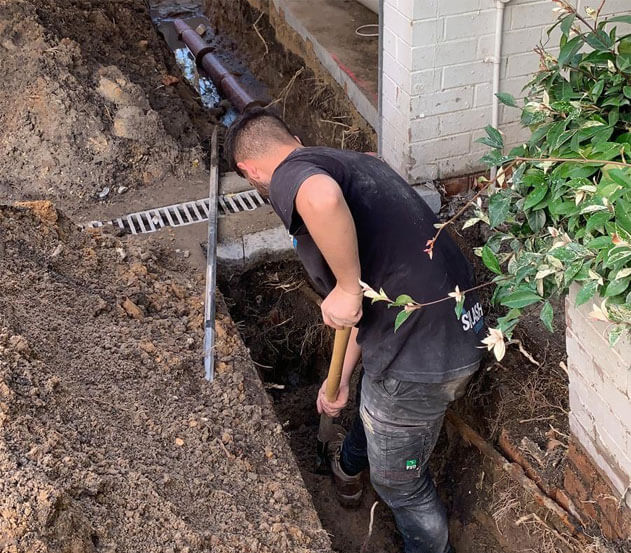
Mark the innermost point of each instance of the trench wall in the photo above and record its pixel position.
(437, 78)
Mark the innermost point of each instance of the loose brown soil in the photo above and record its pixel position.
(83, 105)
(110, 439)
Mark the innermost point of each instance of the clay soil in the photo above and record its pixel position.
(84, 105)
(110, 439)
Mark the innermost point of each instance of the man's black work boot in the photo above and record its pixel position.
(348, 489)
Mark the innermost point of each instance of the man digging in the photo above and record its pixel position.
(352, 217)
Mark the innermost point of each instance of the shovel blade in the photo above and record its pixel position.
(326, 433)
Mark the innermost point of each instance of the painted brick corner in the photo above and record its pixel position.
(437, 78)
(600, 403)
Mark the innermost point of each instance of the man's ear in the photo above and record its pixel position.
(244, 167)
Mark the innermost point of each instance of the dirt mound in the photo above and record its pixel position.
(110, 439)
(83, 105)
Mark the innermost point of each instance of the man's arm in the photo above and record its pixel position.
(322, 206)
(353, 353)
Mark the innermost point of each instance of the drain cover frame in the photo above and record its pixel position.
(183, 214)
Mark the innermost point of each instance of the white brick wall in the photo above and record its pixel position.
(437, 78)
(600, 394)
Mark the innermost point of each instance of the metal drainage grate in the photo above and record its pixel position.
(186, 213)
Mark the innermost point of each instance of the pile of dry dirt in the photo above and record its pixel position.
(110, 439)
(84, 104)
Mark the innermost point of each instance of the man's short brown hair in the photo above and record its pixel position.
(251, 134)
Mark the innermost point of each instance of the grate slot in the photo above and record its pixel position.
(167, 214)
(248, 198)
(158, 219)
(196, 211)
(233, 206)
(188, 214)
(177, 213)
(130, 222)
(204, 204)
(141, 223)
(152, 226)
(244, 206)
(223, 205)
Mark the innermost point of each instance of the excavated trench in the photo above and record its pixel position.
(279, 322)
(274, 310)
(272, 303)
(273, 307)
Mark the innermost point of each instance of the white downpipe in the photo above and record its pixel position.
(372, 5)
(497, 66)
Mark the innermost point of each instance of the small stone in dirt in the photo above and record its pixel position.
(147, 346)
(132, 309)
(122, 189)
(222, 367)
(220, 331)
(170, 80)
(143, 44)
(57, 250)
(100, 307)
(179, 442)
(121, 253)
(104, 193)
(20, 344)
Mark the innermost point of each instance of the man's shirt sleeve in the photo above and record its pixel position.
(286, 182)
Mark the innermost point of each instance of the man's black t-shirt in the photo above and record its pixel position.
(393, 225)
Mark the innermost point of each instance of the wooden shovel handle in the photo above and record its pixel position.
(337, 361)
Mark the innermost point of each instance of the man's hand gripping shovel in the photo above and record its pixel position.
(328, 431)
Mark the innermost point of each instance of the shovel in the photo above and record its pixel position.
(328, 431)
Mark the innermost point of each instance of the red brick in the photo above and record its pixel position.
(456, 185)
(583, 464)
(574, 487)
(615, 515)
(607, 530)
(589, 509)
(601, 489)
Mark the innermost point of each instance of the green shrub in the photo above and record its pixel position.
(559, 209)
(565, 214)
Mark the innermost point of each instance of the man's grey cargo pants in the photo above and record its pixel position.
(401, 425)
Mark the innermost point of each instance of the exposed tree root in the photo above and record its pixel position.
(516, 472)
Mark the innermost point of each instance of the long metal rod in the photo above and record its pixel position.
(211, 262)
